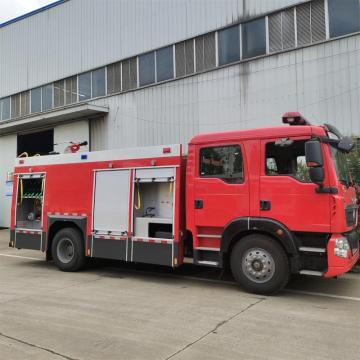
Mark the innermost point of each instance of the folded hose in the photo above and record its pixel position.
(138, 205)
(42, 186)
(21, 191)
(171, 184)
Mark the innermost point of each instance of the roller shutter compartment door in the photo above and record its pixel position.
(111, 201)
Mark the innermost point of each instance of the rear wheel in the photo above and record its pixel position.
(259, 264)
(68, 250)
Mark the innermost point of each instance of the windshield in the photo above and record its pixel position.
(341, 166)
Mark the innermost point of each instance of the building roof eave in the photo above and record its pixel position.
(55, 116)
(24, 16)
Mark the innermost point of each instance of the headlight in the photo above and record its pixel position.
(341, 247)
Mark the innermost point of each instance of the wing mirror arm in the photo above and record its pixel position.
(345, 144)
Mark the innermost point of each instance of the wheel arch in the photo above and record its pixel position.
(240, 227)
(55, 224)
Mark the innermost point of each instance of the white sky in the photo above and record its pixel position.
(10, 9)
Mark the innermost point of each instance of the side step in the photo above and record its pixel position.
(208, 256)
(208, 263)
(207, 249)
(311, 272)
(312, 249)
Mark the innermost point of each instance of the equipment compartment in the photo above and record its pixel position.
(154, 203)
(30, 201)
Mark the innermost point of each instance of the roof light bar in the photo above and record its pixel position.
(294, 118)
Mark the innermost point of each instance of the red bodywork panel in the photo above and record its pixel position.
(224, 202)
(337, 265)
(69, 189)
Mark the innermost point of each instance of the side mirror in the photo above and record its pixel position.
(317, 175)
(346, 144)
(313, 154)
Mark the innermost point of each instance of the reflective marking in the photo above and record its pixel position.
(209, 236)
(22, 257)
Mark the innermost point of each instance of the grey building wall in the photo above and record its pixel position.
(79, 35)
(322, 82)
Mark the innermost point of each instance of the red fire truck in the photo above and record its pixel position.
(267, 203)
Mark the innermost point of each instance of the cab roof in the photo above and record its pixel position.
(261, 133)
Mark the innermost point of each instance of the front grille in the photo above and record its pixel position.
(350, 215)
(353, 239)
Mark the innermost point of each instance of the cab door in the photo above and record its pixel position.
(286, 192)
(221, 191)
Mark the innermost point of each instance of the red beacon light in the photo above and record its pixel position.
(294, 118)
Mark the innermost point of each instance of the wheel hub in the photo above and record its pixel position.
(258, 265)
(65, 250)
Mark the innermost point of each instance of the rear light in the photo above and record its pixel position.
(21, 162)
(166, 150)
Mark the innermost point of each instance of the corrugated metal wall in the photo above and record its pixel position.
(83, 34)
(320, 81)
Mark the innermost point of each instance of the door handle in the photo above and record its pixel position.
(198, 204)
(265, 205)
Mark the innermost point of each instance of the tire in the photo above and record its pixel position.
(68, 250)
(259, 264)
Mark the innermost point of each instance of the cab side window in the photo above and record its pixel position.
(287, 158)
(223, 162)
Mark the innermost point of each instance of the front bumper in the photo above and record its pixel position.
(338, 265)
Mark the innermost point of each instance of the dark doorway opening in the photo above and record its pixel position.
(41, 143)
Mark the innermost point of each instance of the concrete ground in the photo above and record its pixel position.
(119, 311)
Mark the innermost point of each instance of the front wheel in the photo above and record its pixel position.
(259, 264)
(68, 250)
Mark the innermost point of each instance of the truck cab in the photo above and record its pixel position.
(272, 202)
